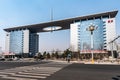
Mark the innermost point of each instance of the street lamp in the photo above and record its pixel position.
(91, 28)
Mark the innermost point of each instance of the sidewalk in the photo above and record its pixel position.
(107, 63)
(64, 61)
(88, 62)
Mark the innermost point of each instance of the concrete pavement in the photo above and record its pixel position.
(89, 62)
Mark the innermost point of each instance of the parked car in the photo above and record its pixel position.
(9, 59)
(2, 59)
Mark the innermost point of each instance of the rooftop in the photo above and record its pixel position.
(65, 23)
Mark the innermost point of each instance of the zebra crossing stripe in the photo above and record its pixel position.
(50, 71)
(16, 78)
(27, 76)
(2, 75)
(43, 72)
(30, 72)
(37, 74)
(7, 73)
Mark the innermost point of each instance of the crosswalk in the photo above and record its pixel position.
(34, 72)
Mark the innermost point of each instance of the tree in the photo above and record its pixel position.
(39, 55)
(63, 55)
(56, 55)
(48, 55)
(67, 51)
(45, 54)
(53, 55)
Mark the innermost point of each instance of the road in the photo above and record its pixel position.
(58, 71)
(29, 70)
(79, 71)
(11, 64)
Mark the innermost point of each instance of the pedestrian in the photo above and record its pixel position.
(68, 58)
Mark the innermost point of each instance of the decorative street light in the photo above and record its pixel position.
(91, 28)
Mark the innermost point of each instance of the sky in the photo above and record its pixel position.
(14, 13)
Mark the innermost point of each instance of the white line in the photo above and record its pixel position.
(37, 74)
(2, 75)
(27, 76)
(28, 72)
(47, 69)
(18, 69)
(42, 70)
(50, 72)
(16, 78)
(11, 73)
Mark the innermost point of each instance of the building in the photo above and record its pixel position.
(22, 42)
(105, 32)
(24, 39)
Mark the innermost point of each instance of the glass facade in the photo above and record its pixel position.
(33, 45)
(84, 36)
(16, 42)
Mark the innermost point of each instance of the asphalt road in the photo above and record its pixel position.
(29, 70)
(87, 72)
(11, 64)
(74, 71)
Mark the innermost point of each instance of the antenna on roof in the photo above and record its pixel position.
(52, 27)
(51, 19)
(51, 14)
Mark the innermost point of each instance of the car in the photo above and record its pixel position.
(9, 59)
(2, 59)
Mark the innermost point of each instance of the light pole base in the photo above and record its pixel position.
(92, 61)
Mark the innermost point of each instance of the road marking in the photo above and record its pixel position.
(16, 78)
(27, 76)
(33, 74)
(2, 75)
(9, 73)
(39, 72)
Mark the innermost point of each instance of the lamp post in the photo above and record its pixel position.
(91, 28)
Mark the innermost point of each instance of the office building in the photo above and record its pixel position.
(22, 42)
(81, 38)
(24, 39)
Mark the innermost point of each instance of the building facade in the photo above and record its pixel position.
(22, 42)
(24, 39)
(80, 39)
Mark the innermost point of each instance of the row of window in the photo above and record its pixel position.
(16, 42)
(98, 35)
